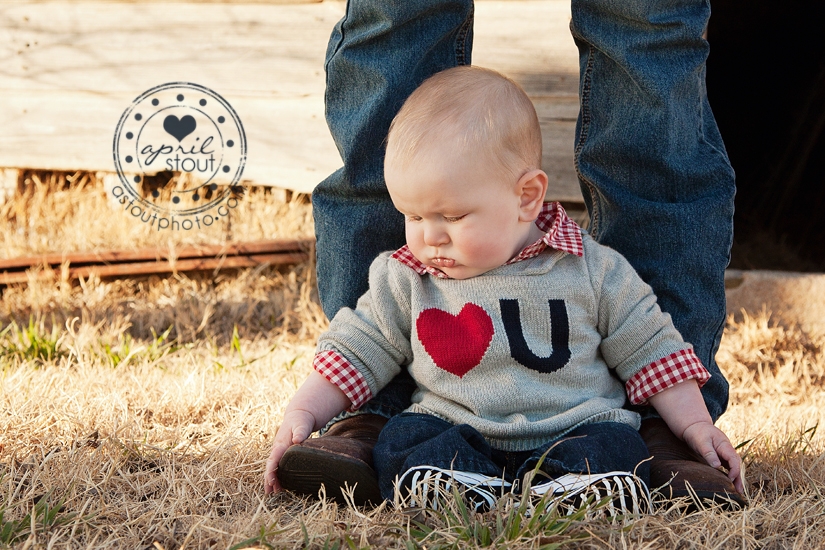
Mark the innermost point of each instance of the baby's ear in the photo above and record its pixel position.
(532, 187)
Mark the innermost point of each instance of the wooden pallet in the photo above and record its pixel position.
(72, 67)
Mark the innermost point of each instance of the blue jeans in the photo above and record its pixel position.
(410, 440)
(651, 163)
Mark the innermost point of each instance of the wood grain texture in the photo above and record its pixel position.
(69, 69)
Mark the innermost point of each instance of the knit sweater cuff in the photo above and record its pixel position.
(665, 373)
(334, 367)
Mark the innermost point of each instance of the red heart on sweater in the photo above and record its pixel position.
(456, 343)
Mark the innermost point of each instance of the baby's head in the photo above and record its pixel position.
(473, 111)
(463, 164)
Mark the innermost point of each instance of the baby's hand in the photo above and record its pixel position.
(296, 427)
(715, 447)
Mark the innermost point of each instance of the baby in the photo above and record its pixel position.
(524, 336)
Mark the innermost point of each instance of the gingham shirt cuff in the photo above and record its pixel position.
(334, 367)
(665, 373)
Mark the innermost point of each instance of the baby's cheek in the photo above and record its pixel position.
(484, 247)
(414, 237)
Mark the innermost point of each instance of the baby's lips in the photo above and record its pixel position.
(444, 262)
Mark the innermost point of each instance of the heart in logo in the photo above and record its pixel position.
(456, 343)
(179, 128)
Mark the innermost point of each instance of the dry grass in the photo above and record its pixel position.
(138, 414)
(60, 211)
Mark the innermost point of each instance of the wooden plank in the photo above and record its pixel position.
(531, 43)
(75, 67)
(72, 68)
(273, 158)
(9, 180)
(288, 141)
(101, 47)
(557, 116)
(529, 40)
(241, 49)
(156, 254)
(153, 268)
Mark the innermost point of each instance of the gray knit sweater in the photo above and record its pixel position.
(523, 353)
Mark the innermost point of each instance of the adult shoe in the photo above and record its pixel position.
(340, 461)
(676, 471)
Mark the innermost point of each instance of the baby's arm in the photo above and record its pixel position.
(316, 402)
(683, 409)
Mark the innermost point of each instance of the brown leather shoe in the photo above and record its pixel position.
(342, 457)
(675, 465)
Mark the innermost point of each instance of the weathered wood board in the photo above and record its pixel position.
(68, 70)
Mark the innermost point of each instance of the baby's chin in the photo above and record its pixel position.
(456, 270)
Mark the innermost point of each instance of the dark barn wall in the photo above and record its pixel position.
(766, 84)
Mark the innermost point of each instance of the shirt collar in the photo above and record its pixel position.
(561, 233)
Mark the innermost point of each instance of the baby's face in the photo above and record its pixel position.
(461, 216)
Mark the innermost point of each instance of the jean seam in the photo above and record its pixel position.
(335, 50)
(461, 56)
(722, 154)
(717, 339)
(585, 128)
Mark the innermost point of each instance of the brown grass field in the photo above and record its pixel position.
(138, 413)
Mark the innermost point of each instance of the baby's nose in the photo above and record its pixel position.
(435, 236)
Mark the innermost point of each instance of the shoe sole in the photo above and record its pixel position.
(427, 486)
(572, 491)
(304, 470)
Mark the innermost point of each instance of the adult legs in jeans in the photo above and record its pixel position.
(651, 163)
(652, 166)
(658, 185)
(378, 54)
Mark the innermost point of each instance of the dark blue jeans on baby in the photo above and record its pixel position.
(411, 439)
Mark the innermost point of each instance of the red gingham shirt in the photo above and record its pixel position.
(562, 234)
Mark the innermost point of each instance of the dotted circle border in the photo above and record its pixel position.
(128, 184)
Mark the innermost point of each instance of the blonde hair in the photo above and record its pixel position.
(478, 110)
